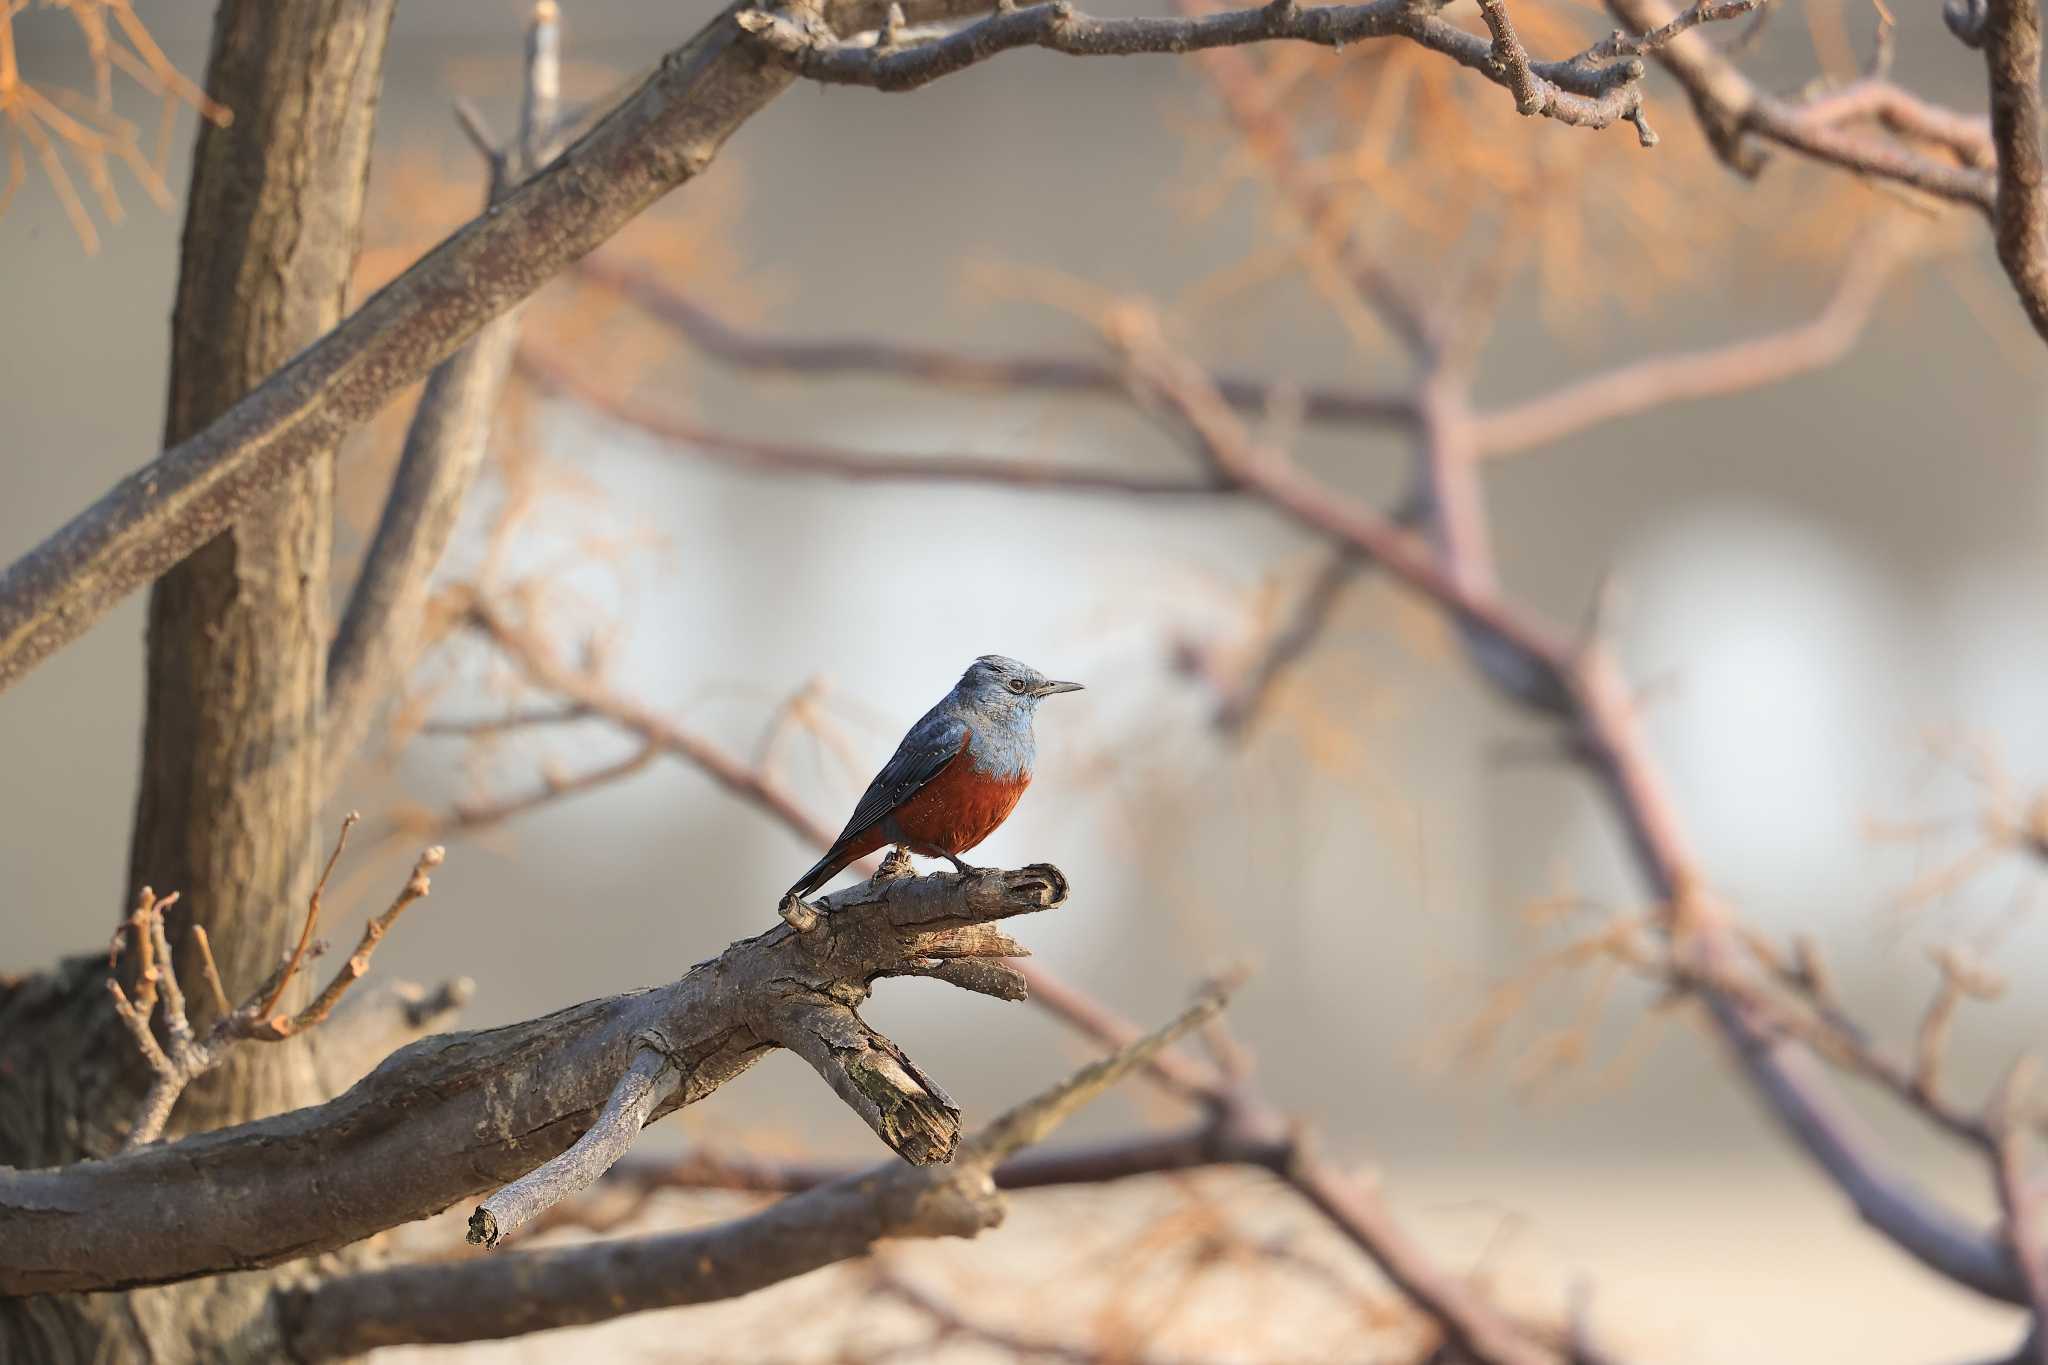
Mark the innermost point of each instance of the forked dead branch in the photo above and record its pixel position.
(526, 1291)
(186, 1053)
(477, 1110)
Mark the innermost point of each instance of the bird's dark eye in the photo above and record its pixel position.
(1017, 686)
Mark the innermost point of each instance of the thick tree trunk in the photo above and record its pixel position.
(237, 655)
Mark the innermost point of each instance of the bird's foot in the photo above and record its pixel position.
(895, 867)
(963, 869)
(797, 913)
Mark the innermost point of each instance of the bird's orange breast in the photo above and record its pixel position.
(958, 809)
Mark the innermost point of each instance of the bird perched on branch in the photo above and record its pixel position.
(954, 778)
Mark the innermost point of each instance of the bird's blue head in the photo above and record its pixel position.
(1005, 689)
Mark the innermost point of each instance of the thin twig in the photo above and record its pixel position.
(1590, 98)
(186, 1054)
(875, 357)
(755, 455)
(1687, 376)
(1314, 606)
(298, 954)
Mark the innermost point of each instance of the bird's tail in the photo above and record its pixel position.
(824, 870)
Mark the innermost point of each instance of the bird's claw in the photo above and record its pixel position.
(894, 867)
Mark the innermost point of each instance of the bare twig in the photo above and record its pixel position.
(1620, 44)
(444, 448)
(416, 887)
(471, 816)
(207, 965)
(533, 719)
(2012, 58)
(876, 357)
(478, 130)
(544, 669)
(186, 1054)
(1592, 98)
(1732, 108)
(1245, 696)
(298, 954)
(1686, 376)
(755, 455)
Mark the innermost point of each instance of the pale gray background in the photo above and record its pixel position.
(1820, 571)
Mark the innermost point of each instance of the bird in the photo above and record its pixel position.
(956, 776)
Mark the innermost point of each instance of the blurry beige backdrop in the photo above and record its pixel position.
(1810, 578)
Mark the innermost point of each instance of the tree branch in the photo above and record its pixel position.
(534, 657)
(188, 1055)
(825, 357)
(444, 449)
(520, 1292)
(1243, 697)
(1731, 107)
(1687, 376)
(456, 1114)
(1582, 685)
(647, 1084)
(2012, 60)
(755, 455)
(662, 135)
(1587, 97)
(372, 1025)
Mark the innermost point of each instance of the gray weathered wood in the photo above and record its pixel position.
(509, 1295)
(453, 1115)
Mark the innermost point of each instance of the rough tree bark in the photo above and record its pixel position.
(230, 784)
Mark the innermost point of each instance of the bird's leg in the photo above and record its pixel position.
(962, 868)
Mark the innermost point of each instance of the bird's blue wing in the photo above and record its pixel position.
(932, 743)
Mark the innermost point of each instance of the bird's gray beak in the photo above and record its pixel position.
(1047, 689)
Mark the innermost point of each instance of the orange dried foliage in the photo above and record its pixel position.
(1433, 169)
(54, 123)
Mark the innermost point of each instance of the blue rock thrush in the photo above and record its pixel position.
(954, 778)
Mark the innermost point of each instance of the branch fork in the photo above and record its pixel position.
(187, 1054)
(524, 1291)
(1574, 92)
(940, 926)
